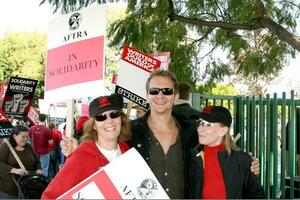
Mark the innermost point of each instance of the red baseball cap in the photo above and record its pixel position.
(80, 122)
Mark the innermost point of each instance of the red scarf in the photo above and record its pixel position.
(214, 185)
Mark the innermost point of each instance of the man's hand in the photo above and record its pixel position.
(255, 166)
(68, 145)
(39, 171)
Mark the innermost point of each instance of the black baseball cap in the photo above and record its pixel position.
(105, 103)
(215, 114)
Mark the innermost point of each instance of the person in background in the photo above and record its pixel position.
(9, 166)
(218, 169)
(40, 136)
(77, 137)
(54, 150)
(104, 133)
(79, 127)
(140, 111)
(62, 156)
(182, 105)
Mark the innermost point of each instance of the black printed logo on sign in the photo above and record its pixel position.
(74, 21)
(147, 189)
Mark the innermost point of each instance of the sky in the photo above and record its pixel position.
(23, 15)
(27, 15)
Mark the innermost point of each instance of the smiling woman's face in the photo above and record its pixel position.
(210, 134)
(110, 128)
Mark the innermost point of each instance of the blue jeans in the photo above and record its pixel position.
(45, 160)
(54, 163)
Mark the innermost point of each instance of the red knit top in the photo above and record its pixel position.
(214, 185)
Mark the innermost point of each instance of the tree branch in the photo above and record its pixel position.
(280, 32)
(257, 23)
(260, 8)
(204, 36)
(220, 10)
(173, 16)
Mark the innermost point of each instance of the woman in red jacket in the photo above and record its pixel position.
(104, 132)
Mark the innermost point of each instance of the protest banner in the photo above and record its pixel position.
(24, 122)
(5, 125)
(18, 97)
(75, 56)
(3, 88)
(164, 58)
(133, 73)
(33, 116)
(84, 109)
(127, 177)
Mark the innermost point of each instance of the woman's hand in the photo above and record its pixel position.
(39, 171)
(255, 166)
(68, 145)
(20, 171)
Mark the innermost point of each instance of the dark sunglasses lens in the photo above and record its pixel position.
(101, 118)
(114, 115)
(167, 91)
(153, 91)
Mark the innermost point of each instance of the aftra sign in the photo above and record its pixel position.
(133, 74)
(127, 177)
(75, 56)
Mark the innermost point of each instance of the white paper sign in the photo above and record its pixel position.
(75, 55)
(127, 177)
(133, 73)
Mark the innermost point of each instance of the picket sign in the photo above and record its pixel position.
(236, 138)
(127, 177)
(135, 68)
(70, 118)
(75, 58)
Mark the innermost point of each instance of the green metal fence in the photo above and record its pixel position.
(261, 123)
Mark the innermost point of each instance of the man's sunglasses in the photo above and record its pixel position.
(165, 91)
(203, 123)
(112, 115)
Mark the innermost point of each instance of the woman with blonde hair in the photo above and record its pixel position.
(218, 169)
(104, 134)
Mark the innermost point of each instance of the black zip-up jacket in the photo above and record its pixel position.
(240, 182)
(141, 140)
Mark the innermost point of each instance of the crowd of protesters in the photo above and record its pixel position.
(166, 136)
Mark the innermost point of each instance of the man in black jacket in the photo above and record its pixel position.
(182, 105)
(163, 137)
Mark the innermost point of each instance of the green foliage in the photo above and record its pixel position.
(225, 89)
(252, 52)
(156, 34)
(217, 90)
(23, 55)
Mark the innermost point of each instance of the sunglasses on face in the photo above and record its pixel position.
(165, 91)
(203, 123)
(112, 115)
